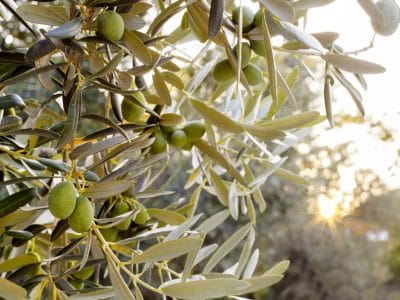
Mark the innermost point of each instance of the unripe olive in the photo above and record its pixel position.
(258, 47)
(111, 26)
(246, 54)
(178, 138)
(391, 16)
(167, 129)
(194, 130)
(223, 71)
(82, 217)
(258, 18)
(62, 200)
(119, 209)
(253, 74)
(109, 234)
(131, 111)
(247, 19)
(84, 274)
(142, 217)
(160, 144)
(188, 146)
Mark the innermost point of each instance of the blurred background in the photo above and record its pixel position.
(341, 233)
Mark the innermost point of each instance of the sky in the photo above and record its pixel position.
(381, 100)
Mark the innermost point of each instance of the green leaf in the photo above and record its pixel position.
(219, 187)
(67, 30)
(218, 158)
(307, 4)
(265, 133)
(43, 14)
(216, 118)
(260, 282)
(107, 189)
(353, 65)
(373, 11)
(201, 289)
(121, 288)
(15, 201)
(17, 262)
(226, 248)
(107, 68)
(271, 64)
(216, 16)
(12, 290)
(137, 48)
(12, 100)
(213, 222)
(30, 73)
(161, 88)
(291, 122)
(328, 99)
(166, 216)
(279, 268)
(168, 250)
(71, 124)
(279, 8)
(95, 295)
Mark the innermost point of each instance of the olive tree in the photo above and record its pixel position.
(85, 210)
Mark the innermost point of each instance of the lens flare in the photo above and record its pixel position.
(327, 208)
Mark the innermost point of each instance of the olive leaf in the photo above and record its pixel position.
(216, 17)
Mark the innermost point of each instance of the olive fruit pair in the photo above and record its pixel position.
(131, 111)
(64, 203)
(223, 72)
(141, 218)
(111, 26)
(183, 138)
(180, 138)
(391, 16)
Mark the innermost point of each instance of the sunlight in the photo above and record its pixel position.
(327, 208)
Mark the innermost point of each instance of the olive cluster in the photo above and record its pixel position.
(223, 71)
(123, 206)
(65, 203)
(178, 137)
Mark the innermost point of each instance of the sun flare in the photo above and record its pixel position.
(327, 208)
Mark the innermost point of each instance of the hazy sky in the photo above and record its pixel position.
(382, 98)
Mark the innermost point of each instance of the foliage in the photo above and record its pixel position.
(233, 127)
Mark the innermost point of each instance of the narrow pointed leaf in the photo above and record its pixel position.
(201, 289)
(168, 250)
(216, 17)
(353, 65)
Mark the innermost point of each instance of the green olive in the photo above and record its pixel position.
(246, 54)
(391, 16)
(111, 26)
(178, 138)
(110, 234)
(142, 217)
(194, 130)
(84, 274)
(253, 74)
(131, 111)
(258, 47)
(257, 18)
(248, 17)
(82, 217)
(119, 209)
(223, 71)
(188, 146)
(167, 129)
(160, 144)
(62, 200)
